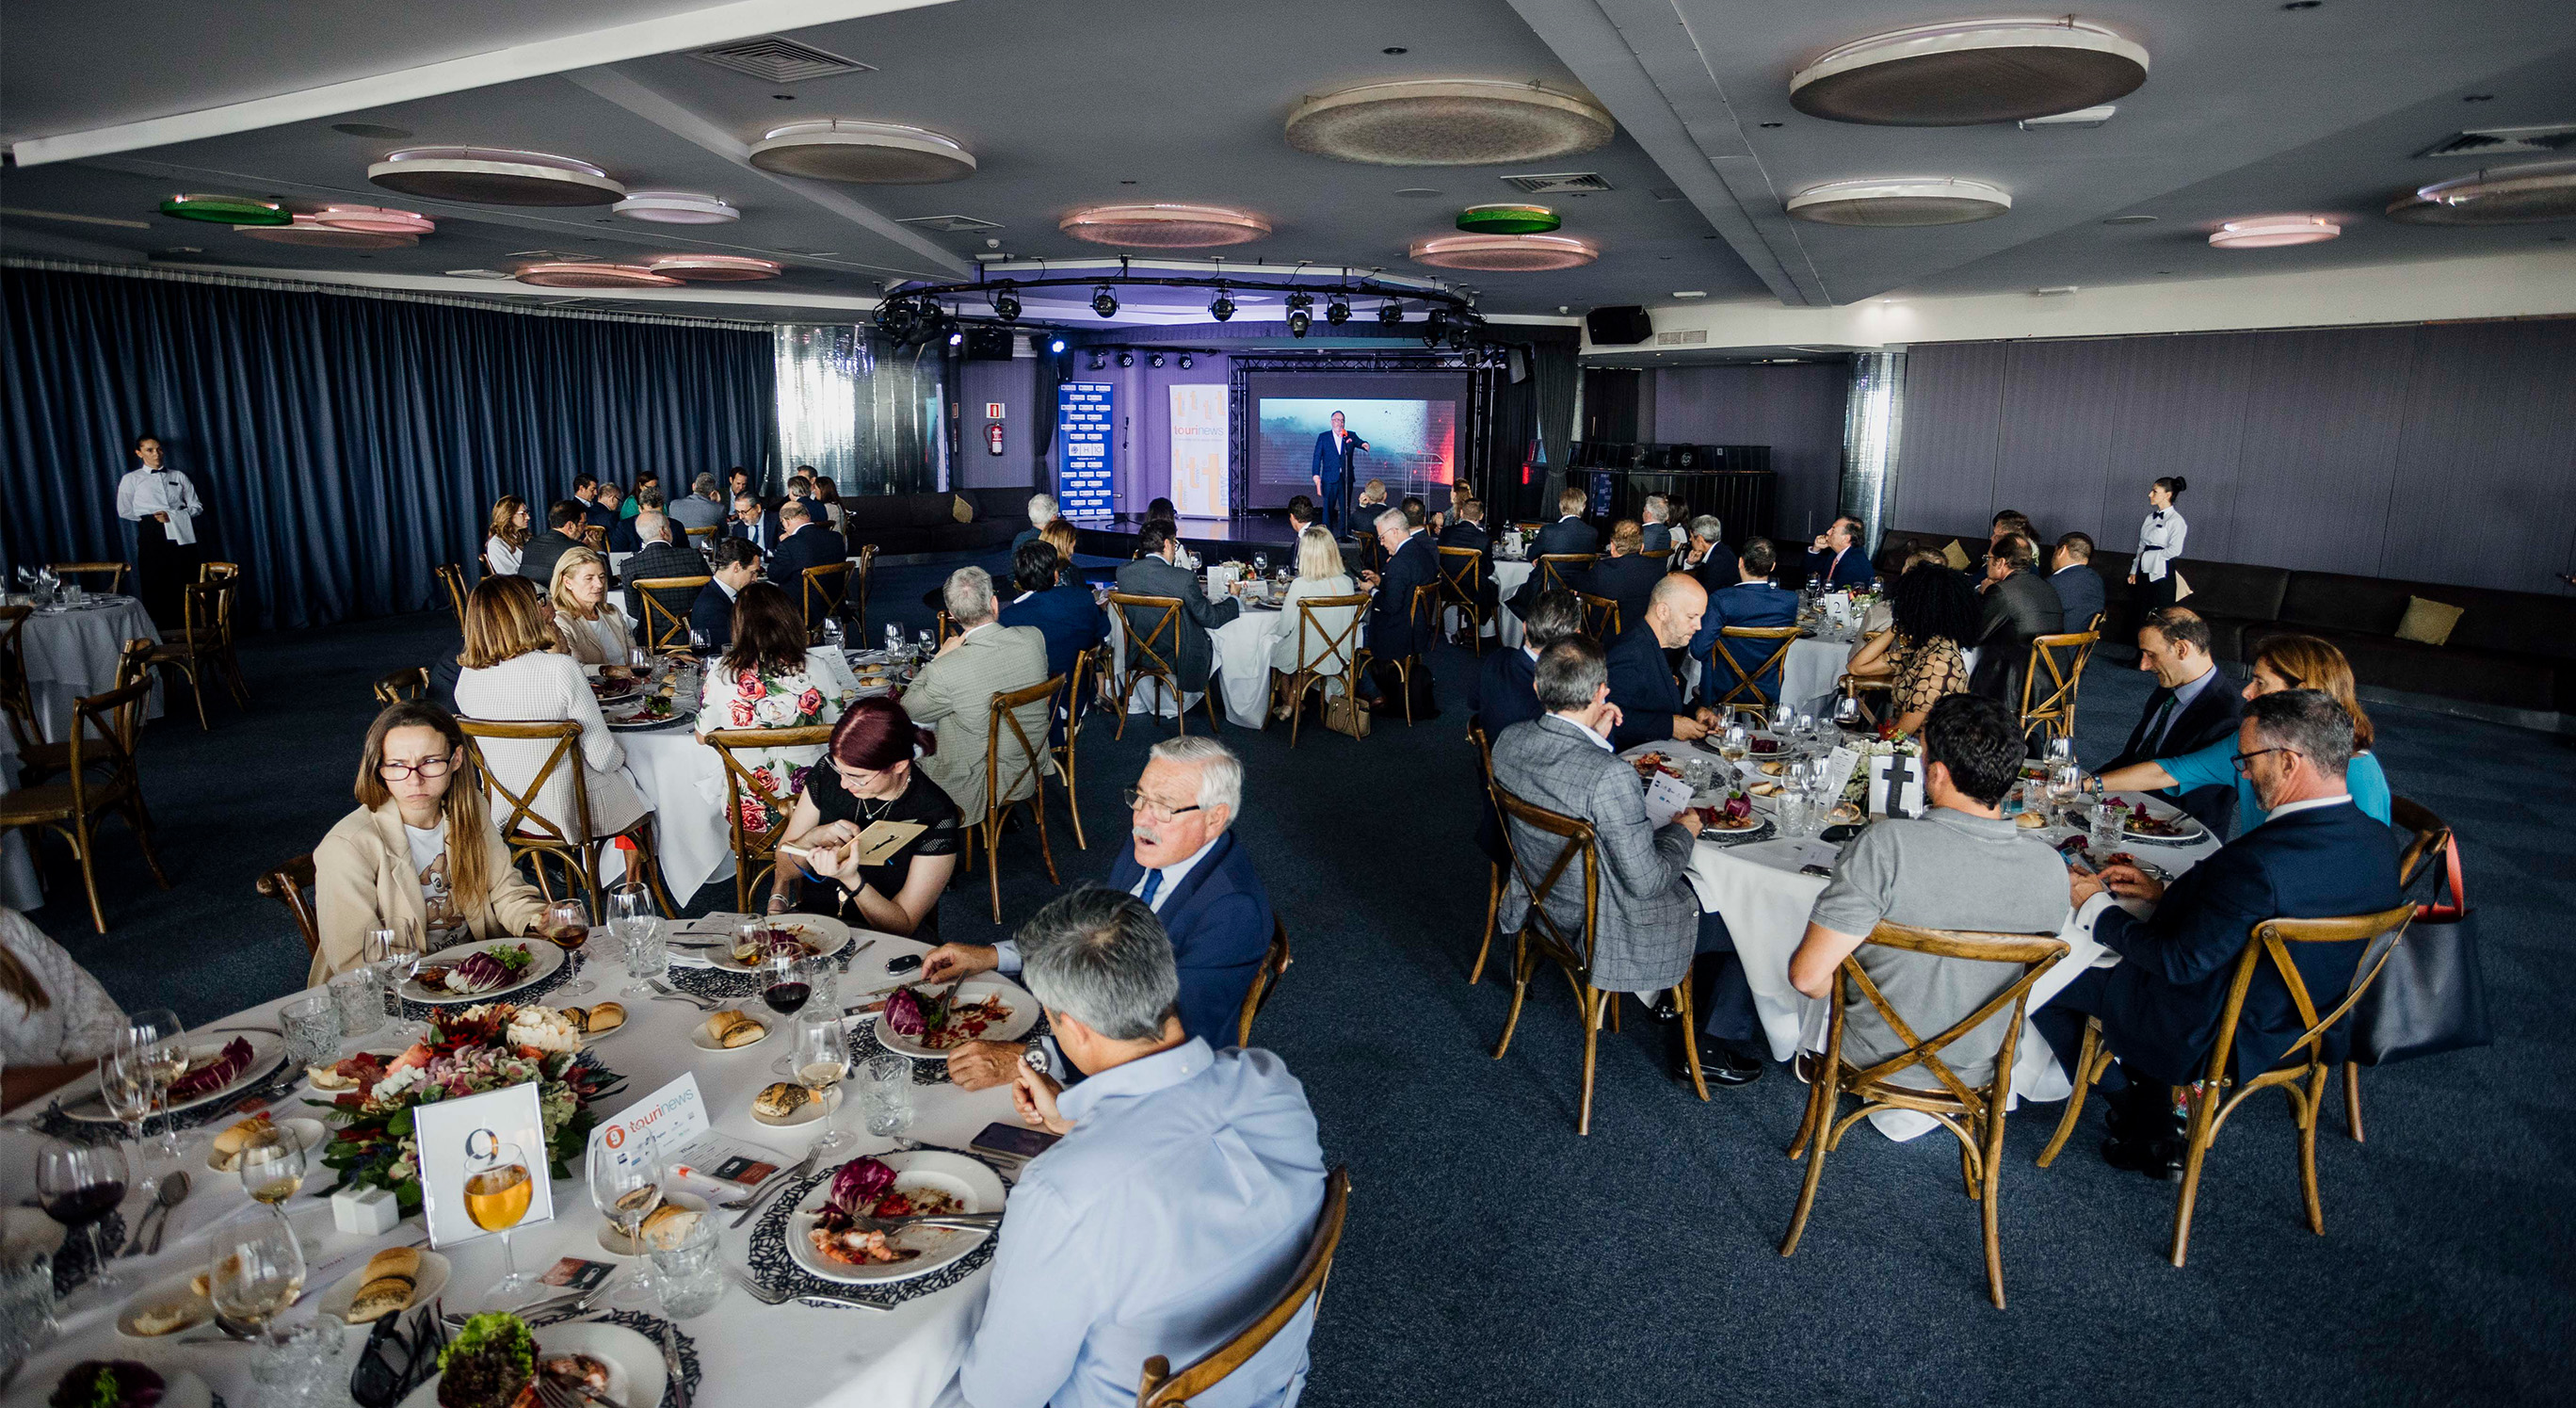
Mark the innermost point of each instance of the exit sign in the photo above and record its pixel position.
(992, 410)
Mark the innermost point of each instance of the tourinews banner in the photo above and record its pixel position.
(1198, 450)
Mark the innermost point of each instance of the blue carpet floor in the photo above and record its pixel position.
(1493, 1257)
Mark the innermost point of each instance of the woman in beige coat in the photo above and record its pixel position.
(411, 822)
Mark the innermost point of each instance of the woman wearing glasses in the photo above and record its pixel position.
(413, 822)
(867, 792)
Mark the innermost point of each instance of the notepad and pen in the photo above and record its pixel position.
(880, 842)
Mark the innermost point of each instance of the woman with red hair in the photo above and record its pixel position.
(867, 793)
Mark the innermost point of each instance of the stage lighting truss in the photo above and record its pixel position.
(916, 307)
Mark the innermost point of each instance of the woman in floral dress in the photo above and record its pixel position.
(768, 678)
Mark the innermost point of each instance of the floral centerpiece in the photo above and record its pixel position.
(469, 1050)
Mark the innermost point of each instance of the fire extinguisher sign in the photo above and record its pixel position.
(992, 410)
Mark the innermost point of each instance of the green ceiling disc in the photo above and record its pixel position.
(226, 210)
(1508, 219)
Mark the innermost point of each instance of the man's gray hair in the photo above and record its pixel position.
(1100, 957)
(1659, 508)
(968, 596)
(704, 485)
(1220, 771)
(793, 508)
(1393, 516)
(2308, 722)
(1707, 529)
(1570, 674)
(652, 527)
(1042, 510)
(1558, 614)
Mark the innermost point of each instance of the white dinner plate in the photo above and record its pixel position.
(612, 1238)
(968, 1180)
(172, 1290)
(635, 1374)
(2192, 832)
(425, 1287)
(543, 959)
(698, 1036)
(1023, 1015)
(267, 1052)
(806, 1113)
(312, 1134)
(828, 934)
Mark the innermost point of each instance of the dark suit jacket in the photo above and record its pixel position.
(622, 537)
(1659, 536)
(1563, 536)
(766, 539)
(1068, 618)
(2161, 1005)
(1716, 572)
(1219, 918)
(1757, 605)
(712, 613)
(1392, 631)
(1627, 580)
(605, 518)
(2017, 609)
(2213, 714)
(1642, 685)
(2079, 591)
(810, 546)
(659, 559)
(1853, 570)
(1470, 535)
(1505, 693)
(1333, 463)
(1195, 655)
(537, 561)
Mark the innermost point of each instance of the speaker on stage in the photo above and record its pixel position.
(1619, 326)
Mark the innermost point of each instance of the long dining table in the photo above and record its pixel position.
(781, 1356)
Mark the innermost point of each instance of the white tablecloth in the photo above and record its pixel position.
(72, 654)
(1508, 577)
(773, 1356)
(1242, 667)
(18, 888)
(684, 780)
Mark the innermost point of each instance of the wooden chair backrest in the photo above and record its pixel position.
(1553, 567)
(1600, 616)
(115, 571)
(452, 576)
(595, 537)
(709, 533)
(755, 850)
(408, 683)
(2429, 834)
(1163, 635)
(217, 571)
(1748, 686)
(1658, 554)
(1068, 705)
(1329, 645)
(2036, 953)
(523, 802)
(665, 629)
(289, 885)
(1028, 755)
(1265, 980)
(16, 699)
(1161, 1388)
(824, 586)
(1462, 575)
(105, 728)
(2270, 943)
(208, 609)
(1575, 951)
(867, 556)
(1424, 609)
(2061, 659)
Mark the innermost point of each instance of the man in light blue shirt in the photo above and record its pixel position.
(1177, 1205)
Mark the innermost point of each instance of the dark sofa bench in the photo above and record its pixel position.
(927, 523)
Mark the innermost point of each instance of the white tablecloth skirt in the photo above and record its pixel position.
(1242, 667)
(1508, 577)
(684, 780)
(17, 876)
(72, 655)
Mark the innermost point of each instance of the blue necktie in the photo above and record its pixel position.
(1153, 882)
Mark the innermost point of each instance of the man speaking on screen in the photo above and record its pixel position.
(1333, 451)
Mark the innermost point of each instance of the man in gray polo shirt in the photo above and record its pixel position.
(1961, 867)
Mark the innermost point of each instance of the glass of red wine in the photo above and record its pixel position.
(80, 1184)
(787, 980)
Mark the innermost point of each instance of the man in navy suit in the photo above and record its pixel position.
(1065, 614)
(1393, 630)
(800, 489)
(1568, 534)
(1836, 561)
(1657, 524)
(1181, 859)
(1705, 555)
(2079, 587)
(585, 491)
(2191, 707)
(734, 564)
(2316, 857)
(1752, 603)
(1651, 706)
(753, 524)
(1626, 575)
(1334, 451)
(806, 542)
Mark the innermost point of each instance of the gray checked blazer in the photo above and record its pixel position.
(1648, 920)
(1195, 656)
(954, 693)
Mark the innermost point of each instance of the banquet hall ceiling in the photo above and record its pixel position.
(2249, 109)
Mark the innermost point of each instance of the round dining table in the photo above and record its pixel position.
(684, 779)
(779, 1356)
(71, 654)
(1242, 666)
(18, 887)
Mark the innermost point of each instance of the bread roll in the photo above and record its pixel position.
(778, 1100)
(395, 1261)
(670, 1225)
(605, 1017)
(229, 1144)
(162, 1319)
(731, 1029)
(2030, 821)
(391, 1276)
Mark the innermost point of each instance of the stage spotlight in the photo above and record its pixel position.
(1006, 305)
(1155, 361)
(956, 337)
(1299, 320)
(1338, 311)
(1104, 302)
(1223, 307)
(1185, 361)
(1389, 314)
(1126, 359)
(1434, 327)
(898, 318)
(1044, 343)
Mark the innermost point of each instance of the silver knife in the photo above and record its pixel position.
(679, 1394)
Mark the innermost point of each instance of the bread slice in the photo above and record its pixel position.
(779, 1099)
(730, 1029)
(670, 1225)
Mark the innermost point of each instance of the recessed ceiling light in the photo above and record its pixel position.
(1447, 122)
(1691, 293)
(371, 129)
(713, 268)
(584, 275)
(1164, 225)
(1508, 254)
(1938, 200)
(1961, 72)
(494, 176)
(865, 153)
(374, 219)
(676, 208)
(2273, 231)
(226, 210)
(2130, 220)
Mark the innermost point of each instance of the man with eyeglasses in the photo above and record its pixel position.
(2316, 857)
(1183, 861)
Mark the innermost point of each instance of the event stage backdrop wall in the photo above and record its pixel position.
(2435, 453)
(344, 446)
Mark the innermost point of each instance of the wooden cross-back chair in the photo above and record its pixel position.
(1494, 882)
(704, 538)
(452, 577)
(2429, 844)
(1323, 655)
(1543, 939)
(291, 885)
(667, 630)
(1662, 555)
(217, 571)
(2300, 1074)
(1160, 1387)
(1557, 570)
(113, 571)
(204, 646)
(1265, 980)
(409, 683)
(39, 759)
(1974, 1114)
(1747, 691)
(1006, 766)
(1071, 707)
(2049, 683)
(755, 848)
(1159, 640)
(856, 598)
(535, 838)
(1462, 585)
(595, 537)
(1423, 613)
(823, 588)
(1600, 615)
(100, 779)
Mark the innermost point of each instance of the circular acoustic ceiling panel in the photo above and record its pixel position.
(1508, 219)
(676, 208)
(1969, 71)
(1162, 225)
(226, 210)
(714, 268)
(374, 219)
(2274, 231)
(310, 232)
(569, 275)
(1447, 122)
(493, 176)
(2507, 195)
(866, 153)
(1504, 254)
(1925, 201)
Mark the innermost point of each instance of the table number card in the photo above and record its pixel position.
(1839, 767)
(444, 1128)
(1896, 785)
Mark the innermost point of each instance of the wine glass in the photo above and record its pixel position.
(1847, 712)
(497, 1193)
(626, 1185)
(926, 642)
(821, 1061)
(1734, 743)
(272, 1166)
(648, 958)
(258, 1272)
(750, 940)
(701, 644)
(79, 1185)
(786, 982)
(2064, 781)
(894, 639)
(1261, 564)
(567, 926)
(1782, 716)
(163, 1038)
(1806, 725)
(2061, 750)
(127, 1086)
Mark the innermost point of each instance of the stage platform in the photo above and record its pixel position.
(1231, 539)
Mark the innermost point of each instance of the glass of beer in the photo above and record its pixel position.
(496, 1197)
(567, 925)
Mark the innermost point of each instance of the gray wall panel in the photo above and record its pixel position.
(2055, 433)
(2319, 456)
(2178, 408)
(2486, 468)
(1945, 475)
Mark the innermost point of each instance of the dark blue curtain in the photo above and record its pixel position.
(344, 446)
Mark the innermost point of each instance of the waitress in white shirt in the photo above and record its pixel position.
(2160, 542)
(162, 505)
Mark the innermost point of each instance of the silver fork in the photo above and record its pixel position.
(767, 1296)
(555, 1395)
(665, 990)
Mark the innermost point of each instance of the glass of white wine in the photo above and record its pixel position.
(1734, 743)
(822, 1061)
(258, 1272)
(272, 1167)
(497, 1192)
(626, 1184)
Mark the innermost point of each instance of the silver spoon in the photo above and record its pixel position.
(173, 1193)
(172, 1189)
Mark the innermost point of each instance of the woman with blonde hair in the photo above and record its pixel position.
(1319, 573)
(593, 626)
(515, 669)
(415, 826)
(2280, 662)
(1058, 534)
(508, 538)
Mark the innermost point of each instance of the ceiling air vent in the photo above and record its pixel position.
(2504, 141)
(1558, 184)
(773, 59)
(1681, 337)
(951, 224)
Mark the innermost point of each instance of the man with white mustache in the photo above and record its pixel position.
(1183, 861)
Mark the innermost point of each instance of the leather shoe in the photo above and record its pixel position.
(1662, 1008)
(2159, 1159)
(1719, 1063)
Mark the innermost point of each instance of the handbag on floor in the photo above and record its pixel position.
(2432, 995)
(1343, 713)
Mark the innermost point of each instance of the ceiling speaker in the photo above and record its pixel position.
(2504, 195)
(862, 153)
(1504, 254)
(310, 232)
(1920, 201)
(569, 275)
(2273, 232)
(1164, 226)
(1447, 122)
(1618, 327)
(1964, 72)
(494, 176)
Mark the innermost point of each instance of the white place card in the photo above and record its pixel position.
(1665, 798)
(1839, 767)
(673, 1115)
(443, 1129)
